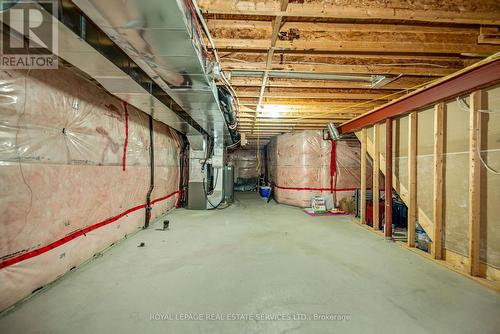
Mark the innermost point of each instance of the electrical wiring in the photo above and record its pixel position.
(210, 147)
(326, 113)
(206, 196)
(464, 106)
(233, 145)
(332, 64)
(411, 64)
(213, 207)
(478, 149)
(216, 54)
(257, 168)
(314, 114)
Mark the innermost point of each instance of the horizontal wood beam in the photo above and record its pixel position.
(408, 69)
(326, 45)
(311, 115)
(282, 125)
(404, 82)
(293, 30)
(300, 103)
(478, 12)
(280, 121)
(321, 37)
(343, 57)
(301, 95)
(284, 120)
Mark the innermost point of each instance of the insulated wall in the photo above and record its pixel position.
(456, 157)
(74, 173)
(302, 165)
(247, 169)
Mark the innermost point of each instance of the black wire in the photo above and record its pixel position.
(216, 180)
(152, 172)
(210, 149)
(206, 196)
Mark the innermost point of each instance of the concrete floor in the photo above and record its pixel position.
(258, 260)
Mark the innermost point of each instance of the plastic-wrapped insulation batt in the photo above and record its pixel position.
(68, 188)
(300, 166)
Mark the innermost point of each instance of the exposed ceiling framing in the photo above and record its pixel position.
(298, 64)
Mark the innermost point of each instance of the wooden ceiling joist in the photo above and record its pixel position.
(434, 11)
(396, 38)
(485, 73)
(401, 83)
(299, 64)
(313, 93)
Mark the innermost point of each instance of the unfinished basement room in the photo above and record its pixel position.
(249, 166)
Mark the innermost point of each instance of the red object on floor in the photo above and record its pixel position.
(369, 212)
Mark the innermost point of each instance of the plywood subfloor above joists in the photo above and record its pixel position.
(298, 64)
(315, 93)
(348, 64)
(256, 35)
(404, 82)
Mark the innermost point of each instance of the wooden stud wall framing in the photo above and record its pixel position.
(376, 174)
(437, 246)
(388, 178)
(363, 177)
(476, 105)
(412, 178)
(470, 265)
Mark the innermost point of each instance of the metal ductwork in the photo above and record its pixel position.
(164, 40)
(83, 45)
(332, 129)
(151, 55)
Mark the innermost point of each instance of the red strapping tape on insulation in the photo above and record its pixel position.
(79, 233)
(315, 189)
(333, 163)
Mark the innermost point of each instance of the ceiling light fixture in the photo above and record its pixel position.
(272, 110)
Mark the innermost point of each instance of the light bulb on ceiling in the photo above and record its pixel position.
(272, 110)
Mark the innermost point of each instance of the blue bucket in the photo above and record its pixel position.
(265, 192)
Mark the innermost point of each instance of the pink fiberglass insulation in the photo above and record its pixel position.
(299, 166)
(245, 164)
(62, 142)
(247, 169)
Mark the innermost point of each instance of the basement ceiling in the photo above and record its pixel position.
(299, 64)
